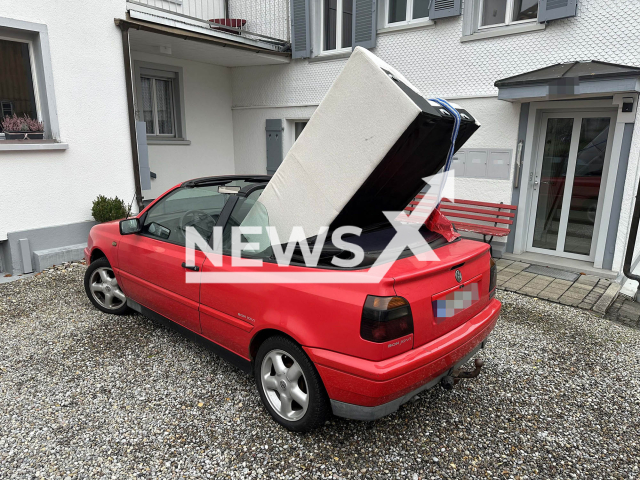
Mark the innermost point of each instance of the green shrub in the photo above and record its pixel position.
(106, 209)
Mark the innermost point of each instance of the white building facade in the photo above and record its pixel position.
(460, 58)
(562, 144)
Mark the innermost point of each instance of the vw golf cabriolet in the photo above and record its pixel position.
(356, 349)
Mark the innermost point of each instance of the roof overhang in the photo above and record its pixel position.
(212, 39)
(570, 81)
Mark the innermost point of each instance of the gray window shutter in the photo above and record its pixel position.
(556, 9)
(274, 144)
(444, 8)
(365, 23)
(300, 41)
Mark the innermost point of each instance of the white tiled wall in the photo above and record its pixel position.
(436, 62)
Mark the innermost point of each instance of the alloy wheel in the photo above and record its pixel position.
(284, 385)
(105, 290)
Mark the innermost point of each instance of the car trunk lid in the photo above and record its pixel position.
(444, 294)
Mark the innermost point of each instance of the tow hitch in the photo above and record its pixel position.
(450, 380)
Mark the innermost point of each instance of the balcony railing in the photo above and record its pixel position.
(266, 20)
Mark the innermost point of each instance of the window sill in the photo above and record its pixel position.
(332, 55)
(155, 141)
(408, 26)
(502, 31)
(24, 145)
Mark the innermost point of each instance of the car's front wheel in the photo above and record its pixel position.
(289, 385)
(102, 288)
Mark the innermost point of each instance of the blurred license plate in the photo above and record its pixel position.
(455, 302)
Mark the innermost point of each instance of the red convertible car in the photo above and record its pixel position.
(357, 350)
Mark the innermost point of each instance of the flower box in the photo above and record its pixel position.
(23, 135)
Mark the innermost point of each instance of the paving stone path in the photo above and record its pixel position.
(624, 310)
(588, 291)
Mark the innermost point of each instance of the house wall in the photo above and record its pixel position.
(436, 60)
(628, 200)
(209, 127)
(56, 188)
(250, 142)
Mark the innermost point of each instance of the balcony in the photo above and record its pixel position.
(264, 23)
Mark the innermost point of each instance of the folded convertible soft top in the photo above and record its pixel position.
(365, 150)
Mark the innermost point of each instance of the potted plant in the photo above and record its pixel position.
(22, 128)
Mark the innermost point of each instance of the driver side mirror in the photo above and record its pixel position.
(129, 226)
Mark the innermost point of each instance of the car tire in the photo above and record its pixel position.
(291, 391)
(102, 288)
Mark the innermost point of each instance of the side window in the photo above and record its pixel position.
(299, 126)
(506, 12)
(17, 92)
(197, 207)
(160, 101)
(336, 24)
(406, 11)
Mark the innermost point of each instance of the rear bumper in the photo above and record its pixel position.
(87, 255)
(366, 390)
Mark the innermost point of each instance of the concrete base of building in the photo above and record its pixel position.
(35, 250)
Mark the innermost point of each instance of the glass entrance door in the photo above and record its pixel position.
(572, 156)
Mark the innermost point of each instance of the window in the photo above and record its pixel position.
(26, 84)
(158, 106)
(298, 127)
(506, 12)
(7, 109)
(406, 11)
(337, 23)
(160, 101)
(17, 91)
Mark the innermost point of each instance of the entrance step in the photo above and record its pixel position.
(607, 298)
(560, 263)
(588, 292)
(553, 272)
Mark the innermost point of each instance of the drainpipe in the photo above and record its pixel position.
(132, 116)
(631, 243)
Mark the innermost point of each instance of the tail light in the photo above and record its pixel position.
(385, 318)
(493, 277)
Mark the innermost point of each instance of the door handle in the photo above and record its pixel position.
(191, 267)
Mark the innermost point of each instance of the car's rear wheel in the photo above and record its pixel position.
(102, 288)
(290, 387)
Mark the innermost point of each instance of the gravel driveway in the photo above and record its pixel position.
(87, 395)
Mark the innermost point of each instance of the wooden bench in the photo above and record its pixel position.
(496, 213)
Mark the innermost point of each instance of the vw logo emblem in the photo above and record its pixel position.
(458, 276)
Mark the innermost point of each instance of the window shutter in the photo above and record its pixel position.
(556, 9)
(300, 42)
(444, 8)
(365, 20)
(275, 155)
